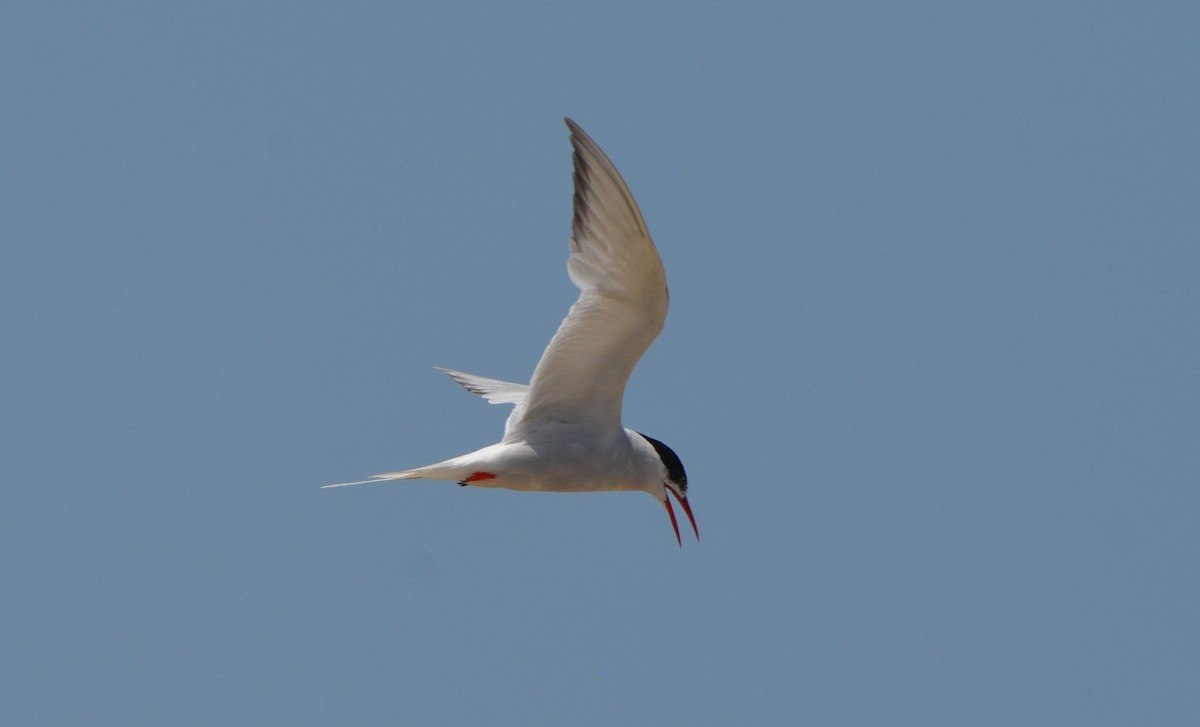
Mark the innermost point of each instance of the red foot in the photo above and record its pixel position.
(477, 476)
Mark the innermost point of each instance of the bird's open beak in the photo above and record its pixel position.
(671, 512)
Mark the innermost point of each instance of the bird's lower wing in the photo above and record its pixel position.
(494, 390)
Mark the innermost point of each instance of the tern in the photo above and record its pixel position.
(565, 433)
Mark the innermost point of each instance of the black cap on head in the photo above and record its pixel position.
(674, 465)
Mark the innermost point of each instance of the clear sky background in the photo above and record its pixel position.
(931, 362)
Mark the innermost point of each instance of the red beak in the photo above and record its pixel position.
(671, 512)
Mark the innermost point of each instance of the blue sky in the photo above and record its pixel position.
(931, 363)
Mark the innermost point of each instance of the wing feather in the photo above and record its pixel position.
(494, 391)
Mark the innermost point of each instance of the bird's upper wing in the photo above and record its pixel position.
(621, 307)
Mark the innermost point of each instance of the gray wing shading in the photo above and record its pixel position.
(494, 390)
(621, 308)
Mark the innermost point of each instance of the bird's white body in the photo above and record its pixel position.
(565, 458)
(565, 432)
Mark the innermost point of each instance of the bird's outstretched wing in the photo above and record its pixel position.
(621, 307)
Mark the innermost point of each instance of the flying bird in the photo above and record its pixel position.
(565, 433)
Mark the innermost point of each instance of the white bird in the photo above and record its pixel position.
(565, 432)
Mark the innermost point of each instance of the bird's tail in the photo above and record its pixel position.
(385, 477)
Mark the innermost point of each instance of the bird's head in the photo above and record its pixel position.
(675, 483)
